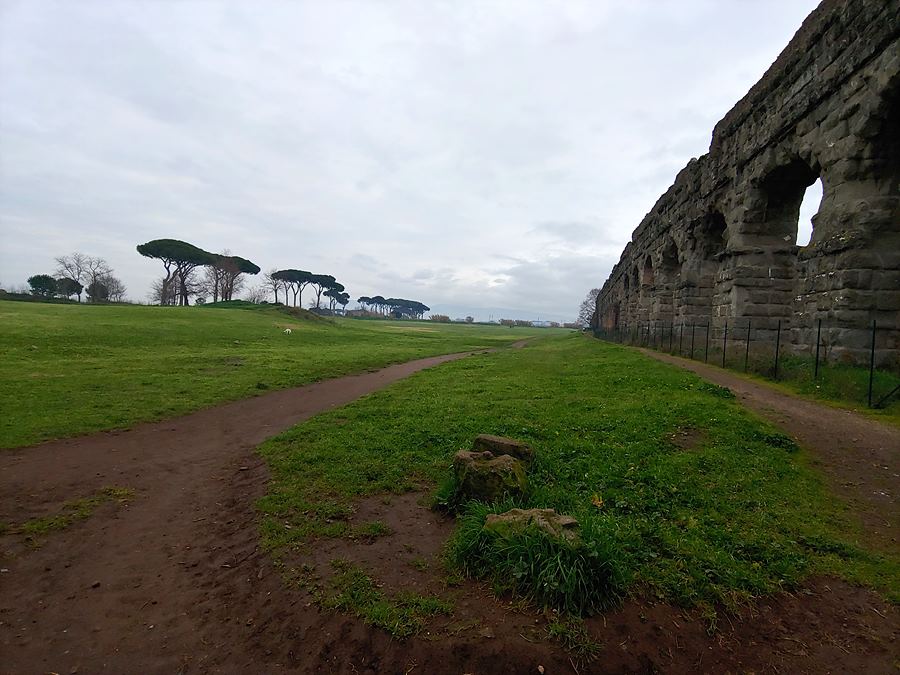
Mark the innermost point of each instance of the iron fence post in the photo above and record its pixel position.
(747, 350)
(706, 353)
(872, 363)
(818, 342)
(777, 349)
(681, 339)
(725, 343)
(692, 340)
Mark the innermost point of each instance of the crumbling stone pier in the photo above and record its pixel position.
(721, 243)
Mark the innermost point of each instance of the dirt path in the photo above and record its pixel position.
(860, 457)
(123, 587)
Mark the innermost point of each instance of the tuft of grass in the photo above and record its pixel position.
(571, 633)
(419, 563)
(402, 616)
(370, 531)
(578, 579)
(70, 513)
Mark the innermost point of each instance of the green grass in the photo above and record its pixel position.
(573, 636)
(739, 515)
(70, 513)
(74, 369)
(840, 384)
(579, 580)
(402, 615)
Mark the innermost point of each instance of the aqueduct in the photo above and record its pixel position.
(721, 243)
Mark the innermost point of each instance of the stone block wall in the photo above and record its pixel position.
(720, 244)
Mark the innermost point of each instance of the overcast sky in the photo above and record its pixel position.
(481, 157)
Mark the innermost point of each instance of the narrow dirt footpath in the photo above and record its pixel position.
(134, 586)
(859, 456)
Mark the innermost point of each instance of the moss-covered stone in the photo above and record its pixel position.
(482, 476)
(547, 521)
(498, 445)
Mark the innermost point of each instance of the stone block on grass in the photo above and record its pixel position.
(498, 445)
(482, 476)
(546, 521)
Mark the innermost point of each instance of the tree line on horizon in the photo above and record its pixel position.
(181, 260)
(292, 282)
(224, 276)
(399, 308)
(77, 273)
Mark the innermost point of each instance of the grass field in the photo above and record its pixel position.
(682, 495)
(73, 369)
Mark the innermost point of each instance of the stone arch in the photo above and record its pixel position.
(784, 188)
(646, 293)
(697, 292)
(668, 279)
(647, 272)
(764, 270)
(887, 152)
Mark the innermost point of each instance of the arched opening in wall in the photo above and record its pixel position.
(669, 276)
(775, 283)
(785, 188)
(698, 287)
(637, 295)
(710, 234)
(647, 272)
(809, 208)
(889, 139)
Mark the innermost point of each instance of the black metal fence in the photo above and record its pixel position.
(863, 367)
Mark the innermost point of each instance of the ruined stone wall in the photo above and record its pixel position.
(720, 244)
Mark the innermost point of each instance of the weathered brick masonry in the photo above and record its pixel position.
(720, 244)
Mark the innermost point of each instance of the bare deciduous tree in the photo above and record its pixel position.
(257, 294)
(587, 308)
(85, 269)
(272, 284)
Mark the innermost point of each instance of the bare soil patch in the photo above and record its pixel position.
(174, 581)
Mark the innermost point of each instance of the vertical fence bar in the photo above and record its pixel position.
(692, 340)
(706, 353)
(818, 342)
(872, 363)
(681, 340)
(725, 343)
(747, 350)
(777, 349)
(671, 335)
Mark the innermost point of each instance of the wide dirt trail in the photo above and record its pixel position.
(859, 456)
(130, 587)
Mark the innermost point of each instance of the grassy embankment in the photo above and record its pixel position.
(838, 384)
(682, 495)
(73, 369)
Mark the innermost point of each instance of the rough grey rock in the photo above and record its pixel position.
(482, 476)
(547, 521)
(499, 445)
(720, 244)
